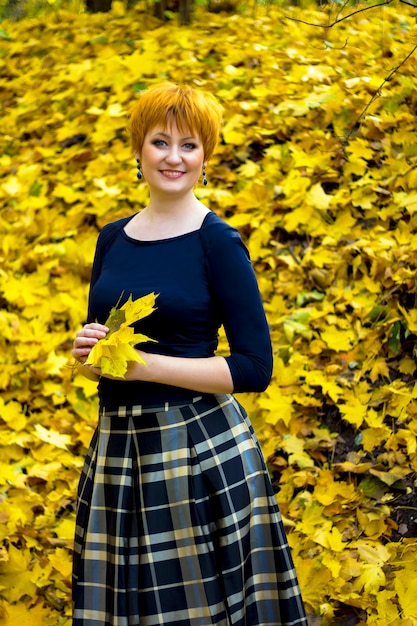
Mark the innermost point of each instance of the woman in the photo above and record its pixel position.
(177, 523)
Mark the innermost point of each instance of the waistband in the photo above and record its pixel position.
(141, 409)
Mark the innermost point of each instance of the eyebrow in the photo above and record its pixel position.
(162, 134)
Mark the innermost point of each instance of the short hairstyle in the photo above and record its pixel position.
(191, 109)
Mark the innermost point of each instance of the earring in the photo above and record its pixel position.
(205, 181)
(139, 174)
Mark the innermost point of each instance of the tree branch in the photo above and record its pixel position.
(337, 21)
(410, 4)
(378, 92)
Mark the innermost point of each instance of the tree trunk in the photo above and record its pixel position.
(185, 12)
(159, 9)
(98, 6)
(183, 6)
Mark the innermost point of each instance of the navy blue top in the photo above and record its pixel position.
(204, 279)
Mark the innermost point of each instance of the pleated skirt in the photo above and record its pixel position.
(177, 523)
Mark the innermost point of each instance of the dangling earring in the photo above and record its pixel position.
(139, 174)
(205, 181)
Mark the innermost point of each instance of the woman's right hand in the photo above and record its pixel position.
(86, 339)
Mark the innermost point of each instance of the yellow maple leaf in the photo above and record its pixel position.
(314, 581)
(20, 614)
(52, 436)
(65, 529)
(315, 378)
(371, 551)
(374, 437)
(116, 350)
(45, 471)
(406, 595)
(329, 537)
(387, 609)
(12, 186)
(372, 578)
(61, 562)
(393, 475)
(111, 191)
(318, 198)
(338, 340)
(407, 365)
(328, 492)
(279, 406)
(374, 419)
(332, 563)
(373, 523)
(312, 516)
(410, 318)
(379, 368)
(294, 446)
(351, 567)
(231, 135)
(15, 575)
(13, 414)
(356, 468)
(354, 413)
(137, 309)
(249, 169)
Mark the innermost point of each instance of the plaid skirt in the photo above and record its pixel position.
(177, 523)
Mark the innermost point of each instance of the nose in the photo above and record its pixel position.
(173, 155)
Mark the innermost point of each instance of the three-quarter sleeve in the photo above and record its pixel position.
(95, 273)
(106, 235)
(235, 289)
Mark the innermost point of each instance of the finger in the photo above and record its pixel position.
(91, 332)
(95, 370)
(84, 345)
(94, 326)
(81, 354)
(82, 350)
(86, 339)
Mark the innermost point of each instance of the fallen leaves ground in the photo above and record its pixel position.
(328, 208)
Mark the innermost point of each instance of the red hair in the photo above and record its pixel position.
(191, 110)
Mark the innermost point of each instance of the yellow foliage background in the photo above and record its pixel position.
(328, 208)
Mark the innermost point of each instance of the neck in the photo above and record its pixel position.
(166, 205)
(164, 218)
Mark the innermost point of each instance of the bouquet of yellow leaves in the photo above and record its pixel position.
(113, 353)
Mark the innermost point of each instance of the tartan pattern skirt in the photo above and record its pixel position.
(177, 523)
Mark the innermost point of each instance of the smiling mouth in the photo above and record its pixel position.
(172, 173)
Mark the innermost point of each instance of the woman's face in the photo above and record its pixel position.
(171, 160)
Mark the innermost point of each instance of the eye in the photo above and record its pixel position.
(190, 146)
(159, 143)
